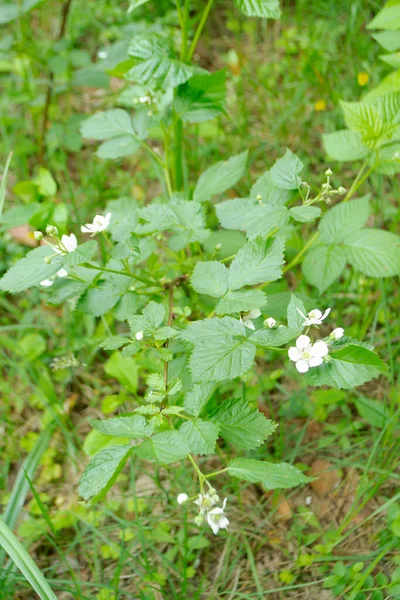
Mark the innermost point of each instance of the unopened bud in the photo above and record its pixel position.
(342, 190)
(139, 335)
(38, 235)
(47, 260)
(51, 230)
(218, 247)
(328, 172)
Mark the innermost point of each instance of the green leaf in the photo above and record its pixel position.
(219, 359)
(343, 220)
(118, 147)
(156, 66)
(374, 252)
(359, 355)
(241, 301)
(134, 426)
(387, 18)
(220, 177)
(375, 413)
(294, 318)
(269, 192)
(95, 442)
(165, 448)
(324, 264)
(241, 425)
(124, 370)
(273, 338)
(305, 214)
(267, 9)
(210, 278)
(108, 124)
(259, 261)
(271, 476)
(198, 397)
(211, 329)
(83, 253)
(102, 298)
(134, 4)
(31, 270)
(262, 219)
(103, 471)
(149, 321)
(389, 40)
(286, 171)
(202, 97)
(114, 342)
(376, 119)
(232, 213)
(344, 145)
(201, 436)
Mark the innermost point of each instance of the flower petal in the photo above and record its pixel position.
(302, 342)
(294, 354)
(320, 349)
(315, 361)
(326, 313)
(302, 366)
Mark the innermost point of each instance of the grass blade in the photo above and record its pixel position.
(3, 184)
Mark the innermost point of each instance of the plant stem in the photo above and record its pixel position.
(215, 473)
(302, 252)
(199, 473)
(170, 317)
(199, 29)
(49, 91)
(163, 165)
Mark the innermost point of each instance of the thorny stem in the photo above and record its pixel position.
(49, 91)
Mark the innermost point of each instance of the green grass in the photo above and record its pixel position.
(139, 543)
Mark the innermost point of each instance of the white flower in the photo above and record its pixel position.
(337, 333)
(46, 282)
(62, 273)
(139, 335)
(206, 501)
(216, 518)
(314, 317)
(102, 54)
(270, 322)
(182, 498)
(307, 355)
(68, 243)
(100, 223)
(246, 319)
(49, 282)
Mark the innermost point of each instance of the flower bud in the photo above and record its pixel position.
(270, 322)
(218, 247)
(337, 333)
(51, 230)
(139, 335)
(47, 260)
(182, 498)
(342, 190)
(328, 172)
(38, 235)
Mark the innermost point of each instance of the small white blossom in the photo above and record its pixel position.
(62, 273)
(102, 54)
(145, 100)
(337, 333)
(139, 335)
(216, 518)
(49, 282)
(46, 282)
(314, 317)
(68, 243)
(247, 318)
(206, 501)
(182, 498)
(100, 223)
(38, 235)
(306, 355)
(270, 322)
(308, 500)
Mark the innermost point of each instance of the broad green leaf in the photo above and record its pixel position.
(197, 398)
(155, 218)
(343, 220)
(375, 412)
(389, 40)
(259, 261)
(134, 426)
(118, 147)
(242, 425)
(202, 97)
(190, 226)
(95, 442)
(210, 278)
(221, 358)
(83, 253)
(324, 264)
(341, 374)
(232, 213)
(134, 4)
(374, 252)
(263, 219)
(273, 338)
(114, 342)
(269, 192)
(108, 124)
(344, 145)
(267, 9)
(149, 321)
(375, 120)
(305, 214)
(165, 448)
(201, 436)
(103, 471)
(387, 18)
(220, 177)
(286, 171)
(124, 370)
(241, 301)
(359, 355)
(390, 84)
(31, 270)
(100, 299)
(211, 329)
(271, 476)
(294, 318)
(155, 65)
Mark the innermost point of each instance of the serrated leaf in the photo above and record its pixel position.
(387, 18)
(359, 355)
(118, 147)
(209, 329)
(263, 219)
(305, 214)
(220, 177)
(241, 301)
(100, 299)
(210, 278)
(273, 338)
(269, 192)
(341, 374)
(124, 370)
(103, 471)
(267, 9)
(134, 426)
(197, 398)
(231, 213)
(241, 425)
(341, 221)
(259, 261)
(107, 124)
(83, 253)
(222, 358)
(374, 252)
(271, 476)
(114, 342)
(165, 448)
(324, 264)
(285, 173)
(201, 436)
(344, 145)
(95, 442)
(156, 67)
(31, 270)
(294, 318)
(156, 382)
(202, 97)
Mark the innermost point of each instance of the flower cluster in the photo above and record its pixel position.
(208, 511)
(306, 354)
